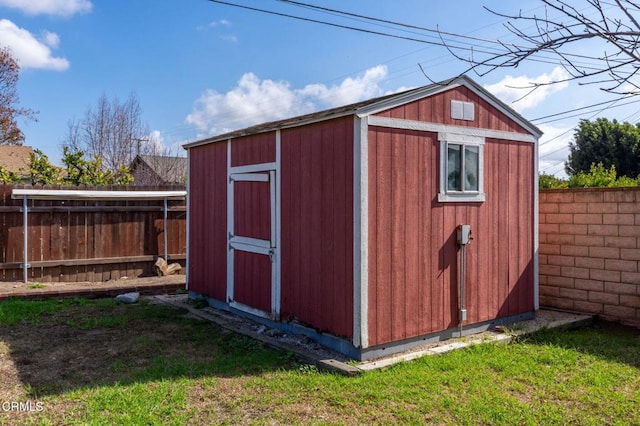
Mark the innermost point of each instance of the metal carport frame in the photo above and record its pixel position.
(73, 194)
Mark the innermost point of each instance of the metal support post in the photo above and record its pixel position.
(25, 235)
(166, 255)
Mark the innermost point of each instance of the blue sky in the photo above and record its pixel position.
(199, 68)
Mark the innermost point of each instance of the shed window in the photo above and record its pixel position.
(461, 175)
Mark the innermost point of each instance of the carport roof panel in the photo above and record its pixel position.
(73, 194)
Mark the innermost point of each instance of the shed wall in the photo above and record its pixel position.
(253, 149)
(413, 257)
(317, 225)
(208, 220)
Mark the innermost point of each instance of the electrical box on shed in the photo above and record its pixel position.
(464, 235)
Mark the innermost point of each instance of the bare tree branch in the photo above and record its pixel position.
(111, 130)
(563, 25)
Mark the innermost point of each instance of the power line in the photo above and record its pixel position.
(439, 32)
(564, 116)
(441, 43)
(332, 24)
(579, 109)
(386, 21)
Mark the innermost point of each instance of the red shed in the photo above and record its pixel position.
(352, 225)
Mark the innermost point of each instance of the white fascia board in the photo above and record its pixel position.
(73, 194)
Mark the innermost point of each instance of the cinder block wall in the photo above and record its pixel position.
(590, 251)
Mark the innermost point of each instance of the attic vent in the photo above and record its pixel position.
(462, 110)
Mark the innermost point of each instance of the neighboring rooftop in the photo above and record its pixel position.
(15, 158)
(159, 169)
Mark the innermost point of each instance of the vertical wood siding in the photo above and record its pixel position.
(253, 149)
(208, 220)
(413, 257)
(317, 225)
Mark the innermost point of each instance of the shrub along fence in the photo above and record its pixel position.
(590, 251)
(89, 240)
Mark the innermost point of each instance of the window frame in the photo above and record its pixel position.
(447, 195)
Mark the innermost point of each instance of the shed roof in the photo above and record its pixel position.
(372, 106)
(15, 158)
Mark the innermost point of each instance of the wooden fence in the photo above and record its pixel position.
(89, 240)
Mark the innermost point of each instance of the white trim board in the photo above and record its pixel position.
(360, 234)
(188, 262)
(276, 270)
(230, 225)
(252, 168)
(398, 123)
(249, 177)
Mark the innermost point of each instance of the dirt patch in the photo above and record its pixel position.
(87, 289)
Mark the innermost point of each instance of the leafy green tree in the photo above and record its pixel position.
(597, 177)
(608, 142)
(546, 181)
(600, 177)
(42, 171)
(92, 172)
(8, 177)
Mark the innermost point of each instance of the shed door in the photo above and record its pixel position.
(251, 270)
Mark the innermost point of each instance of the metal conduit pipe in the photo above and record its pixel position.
(464, 238)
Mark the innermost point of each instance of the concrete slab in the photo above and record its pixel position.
(543, 319)
(326, 359)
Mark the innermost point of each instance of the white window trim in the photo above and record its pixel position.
(445, 195)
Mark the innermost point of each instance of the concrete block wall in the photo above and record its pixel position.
(589, 254)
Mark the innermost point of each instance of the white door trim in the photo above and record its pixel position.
(263, 172)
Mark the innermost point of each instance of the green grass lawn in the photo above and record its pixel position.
(97, 362)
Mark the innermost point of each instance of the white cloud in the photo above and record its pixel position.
(49, 7)
(230, 38)
(222, 22)
(214, 24)
(516, 91)
(51, 39)
(29, 51)
(350, 90)
(255, 101)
